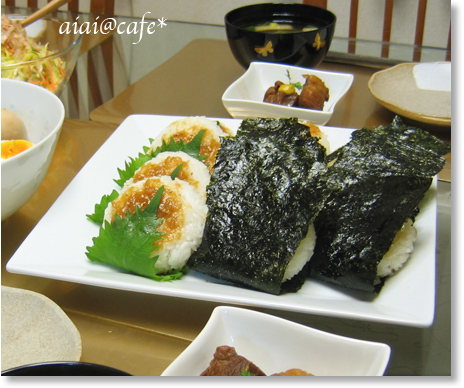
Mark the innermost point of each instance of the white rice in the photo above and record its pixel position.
(316, 131)
(399, 252)
(174, 253)
(186, 129)
(189, 124)
(194, 171)
(324, 140)
(302, 254)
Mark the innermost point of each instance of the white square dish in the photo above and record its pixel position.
(276, 345)
(244, 98)
(52, 251)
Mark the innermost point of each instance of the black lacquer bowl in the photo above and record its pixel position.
(300, 48)
(64, 368)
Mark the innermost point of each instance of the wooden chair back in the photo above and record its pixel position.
(99, 7)
(105, 7)
(387, 25)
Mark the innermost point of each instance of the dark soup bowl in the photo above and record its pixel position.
(292, 34)
(64, 368)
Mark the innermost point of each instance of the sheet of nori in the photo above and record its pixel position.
(263, 195)
(382, 175)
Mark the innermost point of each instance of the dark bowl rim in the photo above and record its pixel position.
(278, 5)
(37, 366)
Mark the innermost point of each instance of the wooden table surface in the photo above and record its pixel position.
(142, 333)
(191, 83)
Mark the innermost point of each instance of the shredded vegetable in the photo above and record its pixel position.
(18, 47)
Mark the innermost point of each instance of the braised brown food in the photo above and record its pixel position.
(227, 362)
(293, 372)
(313, 94)
(277, 95)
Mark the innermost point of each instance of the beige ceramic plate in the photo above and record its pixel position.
(420, 92)
(35, 329)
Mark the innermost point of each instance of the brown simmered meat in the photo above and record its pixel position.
(227, 362)
(314, 93)
(275, 96)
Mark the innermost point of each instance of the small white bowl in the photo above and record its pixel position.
(244, 98)
(43, 113)
(276, 345)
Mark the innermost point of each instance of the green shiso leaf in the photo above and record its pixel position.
(176, 171)
(99, 213)
(131, 167)
(191, 148)
(128, 242)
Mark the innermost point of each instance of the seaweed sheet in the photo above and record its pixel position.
(263, 195)
(380, 176)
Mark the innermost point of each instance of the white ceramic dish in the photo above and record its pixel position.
(35, 329)
(42, 113)
(57, 245)
(244, 98)
(418, 91)
(276, 345)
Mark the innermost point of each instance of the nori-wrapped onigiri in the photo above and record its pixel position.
(262, 199)
(378, 179)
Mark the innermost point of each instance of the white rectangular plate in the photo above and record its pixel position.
(56, 247)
